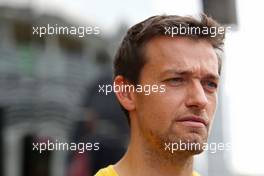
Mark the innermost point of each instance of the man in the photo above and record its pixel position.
(173, 53)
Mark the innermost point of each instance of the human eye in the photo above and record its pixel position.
(211, 86)
(175, 81)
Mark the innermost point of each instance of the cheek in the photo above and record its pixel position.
(158, 109)
(152, 109)
(211, 108)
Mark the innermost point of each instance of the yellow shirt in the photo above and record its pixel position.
(109, 171)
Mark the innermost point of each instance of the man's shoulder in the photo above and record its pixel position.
(195, 174)
(107, 171)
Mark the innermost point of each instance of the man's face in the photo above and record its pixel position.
(184, 112)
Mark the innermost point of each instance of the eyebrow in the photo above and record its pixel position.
(188, 73)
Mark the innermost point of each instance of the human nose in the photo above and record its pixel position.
(196, 97)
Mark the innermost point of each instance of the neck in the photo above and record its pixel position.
(140, 160)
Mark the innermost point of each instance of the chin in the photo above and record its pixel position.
(195, 152)
(196, 145)
(191, 148)
(193, 144)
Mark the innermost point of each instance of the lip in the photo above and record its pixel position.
(193, 121)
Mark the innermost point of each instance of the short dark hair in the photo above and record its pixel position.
(129, 59)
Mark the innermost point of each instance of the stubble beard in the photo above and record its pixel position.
(157, 146)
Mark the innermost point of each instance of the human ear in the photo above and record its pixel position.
(123, 93)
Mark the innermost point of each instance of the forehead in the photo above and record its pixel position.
(182, 53)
